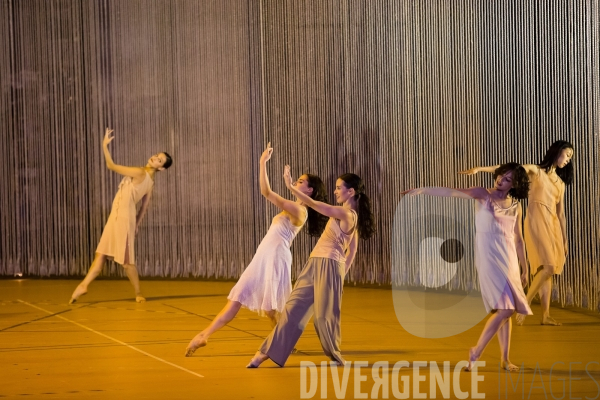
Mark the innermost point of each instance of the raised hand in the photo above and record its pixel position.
(266, 155)
(107, 137)
(287, 176)
(471, 171)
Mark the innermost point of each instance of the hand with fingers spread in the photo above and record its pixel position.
(287, 177)
(107, 137)
(266, 155)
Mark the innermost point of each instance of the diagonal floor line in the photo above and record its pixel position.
(113, 339)
(34, 320)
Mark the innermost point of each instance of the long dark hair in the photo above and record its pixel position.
(315, 223)
(520, 179)
(366, 221)
(566, 173)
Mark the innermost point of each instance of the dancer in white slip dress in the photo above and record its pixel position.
(118, 237)
(499, 249)
(265, 284)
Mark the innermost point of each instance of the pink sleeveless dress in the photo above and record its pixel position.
(266, 283)
(496, 257)
(119, 231)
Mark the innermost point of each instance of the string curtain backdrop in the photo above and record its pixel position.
(403, 93)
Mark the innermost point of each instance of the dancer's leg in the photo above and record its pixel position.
(223, 318)
(92, 274)
(545, 297)
(292, 321)
(540, 279)
(491, 328)
(272, 315)
(134, 278)
(504, 335)
(329, 285)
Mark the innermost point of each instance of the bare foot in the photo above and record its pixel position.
(550, 321)
(258, 359)
(198, 341)
(79, 291)
(473, 357)
(140, 299)
(507, 365)
(520, 319)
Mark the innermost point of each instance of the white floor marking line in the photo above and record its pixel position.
(113, 339)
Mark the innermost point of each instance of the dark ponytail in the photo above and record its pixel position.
(366, 221)
(315, 223)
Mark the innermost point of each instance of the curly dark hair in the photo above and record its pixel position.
(552, 154)
(315, 223)
(520, 179)
(366, 221)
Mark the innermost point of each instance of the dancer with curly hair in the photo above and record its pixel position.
(499, 249)
(545, 223)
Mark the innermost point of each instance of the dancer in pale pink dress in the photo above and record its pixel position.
(118, 237)
(499, 249)
(545, 222)
(265, 285)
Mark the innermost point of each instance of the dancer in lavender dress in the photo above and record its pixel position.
(499, 249)
(265, 285)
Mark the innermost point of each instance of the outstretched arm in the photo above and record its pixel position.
(143, 209)
(337, 212)
(294, 209)
(474, 170)
(474, 192)
(520, 245)
(134, 172)
(529, 168)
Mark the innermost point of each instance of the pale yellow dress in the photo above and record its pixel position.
(543, 234)
(119, 232)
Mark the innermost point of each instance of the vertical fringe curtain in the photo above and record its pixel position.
(403, 93)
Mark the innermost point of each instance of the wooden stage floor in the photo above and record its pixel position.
(109, 347)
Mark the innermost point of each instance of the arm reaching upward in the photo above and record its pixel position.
(134, 172)
(296, 211)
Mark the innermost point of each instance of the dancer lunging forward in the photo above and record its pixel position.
(319, 286)
(545, 225)
(118, 238)
(499, 249)
(265, 285)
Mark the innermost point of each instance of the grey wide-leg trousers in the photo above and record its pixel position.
(318, 290)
